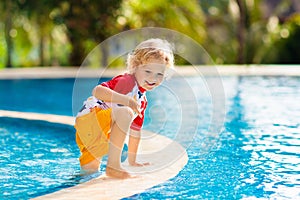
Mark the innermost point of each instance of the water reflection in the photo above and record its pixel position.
(36, 157)
(273, 112)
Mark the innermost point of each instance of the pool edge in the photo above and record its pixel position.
(108, 188)
(206, 70)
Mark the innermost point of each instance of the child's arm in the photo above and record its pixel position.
(108, 95)
(133, 144)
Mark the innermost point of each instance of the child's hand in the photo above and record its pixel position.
(135, 164)
(133, 104)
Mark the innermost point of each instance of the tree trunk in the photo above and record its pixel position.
(42, 34)
(104, 55)
(41, 49)
(77, 55)
(8, 39)
(241, 32)
(75, 36)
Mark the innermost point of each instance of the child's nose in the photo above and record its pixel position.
(153, 78)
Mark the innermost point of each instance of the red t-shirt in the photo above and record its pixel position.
(126, 84)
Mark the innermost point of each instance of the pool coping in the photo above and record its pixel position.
(84, 72)
(167, 157)
(61, 119)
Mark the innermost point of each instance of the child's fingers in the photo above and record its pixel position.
(140, 164)
(137, 112)
(147, 163)
(133, 104)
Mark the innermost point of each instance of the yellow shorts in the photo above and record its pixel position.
(92, 134)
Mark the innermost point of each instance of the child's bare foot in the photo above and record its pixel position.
(117, 173)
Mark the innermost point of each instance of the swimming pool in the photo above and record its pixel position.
(257, 154)
(35, 156)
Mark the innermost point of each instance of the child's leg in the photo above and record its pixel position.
(91, 131)
(91, 167)
(122, 118)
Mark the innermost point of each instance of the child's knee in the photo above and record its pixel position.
(123, 116)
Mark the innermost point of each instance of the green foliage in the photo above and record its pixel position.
(2, 40)
(22, 49)
(2, 47)
(183, 16)
(221, 42)
(86, 20)
(289, 48)
(180, 15)
(263, 42)
(63, 32)
(285, 43)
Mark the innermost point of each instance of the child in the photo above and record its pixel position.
(117, 107)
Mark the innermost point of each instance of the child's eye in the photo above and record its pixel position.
(160, 74)
(148, 71)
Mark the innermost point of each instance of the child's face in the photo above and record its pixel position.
(150, 75)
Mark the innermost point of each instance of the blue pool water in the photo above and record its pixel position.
(255, 156)
(35, 156)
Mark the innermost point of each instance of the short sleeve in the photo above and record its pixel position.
(122, 84)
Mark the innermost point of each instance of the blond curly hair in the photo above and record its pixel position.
(151, 49)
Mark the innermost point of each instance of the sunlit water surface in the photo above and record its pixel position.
(256, 155)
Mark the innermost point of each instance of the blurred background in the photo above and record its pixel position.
(62, 33)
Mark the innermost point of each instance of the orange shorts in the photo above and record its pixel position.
(92, 134)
